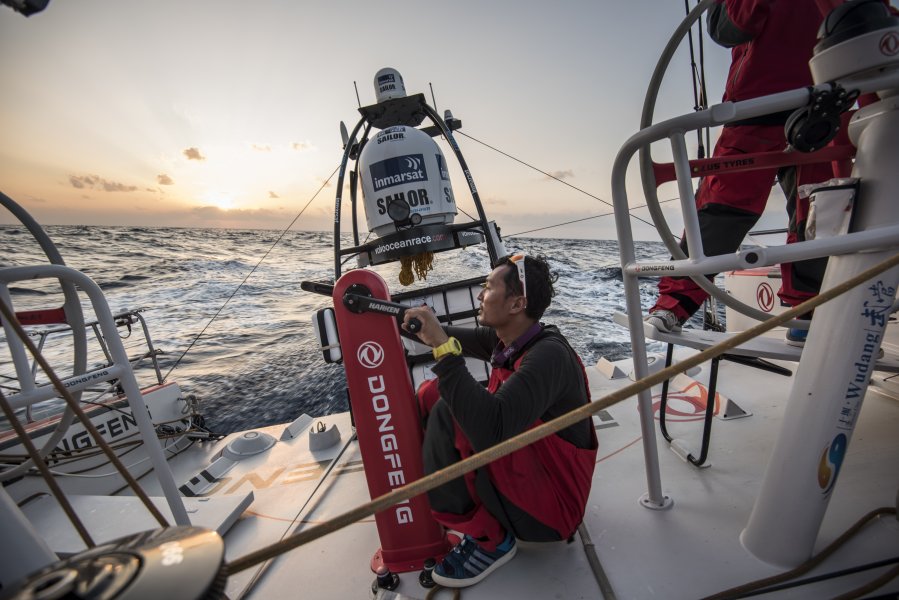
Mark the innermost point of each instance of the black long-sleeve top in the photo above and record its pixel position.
(549, 382)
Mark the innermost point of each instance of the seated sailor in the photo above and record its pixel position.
(539, 492)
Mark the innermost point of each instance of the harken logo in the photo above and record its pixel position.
(370, 355)
(889, 44)
(764, 295)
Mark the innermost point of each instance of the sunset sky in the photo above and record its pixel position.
(226, 114)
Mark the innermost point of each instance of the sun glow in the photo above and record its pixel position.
(221, 200)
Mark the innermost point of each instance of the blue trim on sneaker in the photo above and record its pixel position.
(664, 320)
(796, 337)
(468, 563)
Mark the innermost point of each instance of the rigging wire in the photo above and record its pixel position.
(433, 99)
(352, 256)
(327, 181)
(583, 219)
(250, 274)
(574, 187)
(698, 80)
(703, 91)
(700, 102)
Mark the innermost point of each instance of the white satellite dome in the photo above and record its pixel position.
(389, 84)
(405, 181)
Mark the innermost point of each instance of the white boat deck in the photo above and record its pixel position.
(688, 551)
(693, 548)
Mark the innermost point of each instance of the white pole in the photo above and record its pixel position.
(839, 355)
(23, 551)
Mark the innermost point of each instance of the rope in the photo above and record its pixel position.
(870, 586)
(296, 520)
(11, 319)
(742, 590)
(530, 436)
(432, 593)
(45, 471)
(250, 274)
(605, 586)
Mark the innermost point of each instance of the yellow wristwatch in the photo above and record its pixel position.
(450, 346)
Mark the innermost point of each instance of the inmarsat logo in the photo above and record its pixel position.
(370, 355)
(889, 44)
(398, 170)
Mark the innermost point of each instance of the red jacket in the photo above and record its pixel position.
(551, 478)
(771, 43)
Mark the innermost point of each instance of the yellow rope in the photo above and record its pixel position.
(530, 436)
(421, 263)
(432, 593)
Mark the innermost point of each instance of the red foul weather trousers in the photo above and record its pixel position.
(730, 205)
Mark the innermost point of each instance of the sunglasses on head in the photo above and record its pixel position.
(518, 260)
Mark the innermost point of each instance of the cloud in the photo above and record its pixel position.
(562, 174)
(96, 182)
(193, 154)
(164, 179)
(273, 195)
(261, 147)
(115, 186)
(300, 146)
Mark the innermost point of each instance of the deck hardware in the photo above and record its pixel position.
(248, 444)
(386, 580)
(424, 578)
(322, 437)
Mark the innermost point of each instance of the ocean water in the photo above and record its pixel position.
(227, 309)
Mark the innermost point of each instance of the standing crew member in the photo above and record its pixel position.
(771, 43)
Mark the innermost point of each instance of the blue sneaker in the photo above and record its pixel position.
(796, 337)
(664, 320)
(468, 563)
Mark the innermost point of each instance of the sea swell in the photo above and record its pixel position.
(236, 330)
